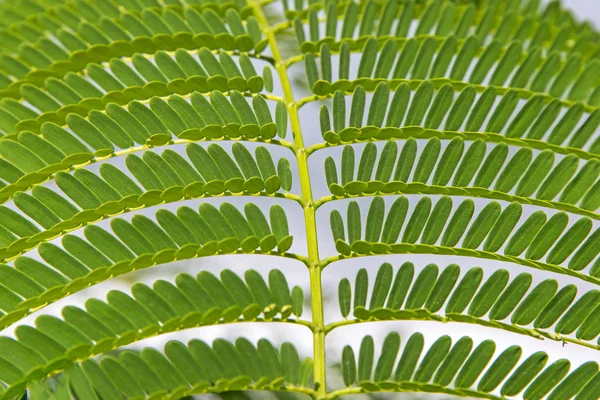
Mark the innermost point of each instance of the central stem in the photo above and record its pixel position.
(308, 208)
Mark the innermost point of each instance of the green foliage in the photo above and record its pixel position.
(475, 300)
(465, 232)
(538, 180)
(444, 362)
(470, 126)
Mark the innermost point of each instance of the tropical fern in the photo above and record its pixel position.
(464, 129)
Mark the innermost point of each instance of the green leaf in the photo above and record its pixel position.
(558, 178)
(284, 172)
(424, 58)
(257, 220)
(258, 288)
(475, 364)
(432, 359)
(524, 374)
(331, 176)
(80, 384)
(556, 307)
(422, 287)
(119, 375)
(88, 132)
(131, 237)
(586, 253)
(347, 168)
(439, 107)
(481, 110)
(454, 361)
(204, 163)
(465, 291)
(281, 119)
(245, 161)
(578, 312)
(499, 369)
(409, 358)
(576, 380)
(488, 293)
(130, 124)
(448, 162)
(267, 76)
(442, 288)
(547, 236)
(444, 57)
(107, 244)
(570, 241)
(361, 288)
(348, 366)
(339, 111)
(344, 297)
(514, 170)
(415, 225)
(297, 301)
(389, 352)
(379, 100)
(325, 58)
(482, 225)
(375, 220)
(437, 220)
(365, 359)
(548, 379)
(337, 226)
(36, 210)
(535, 174)
(398, 107)
(382, 285)
(311, 69)
(395, 220)
(511, 297)
(354, 222)
(470, 164)
(419, 104)
(427, 161)
(535, 301)
(280, 289)
(387, 159)
(523, 237)
(399, 289)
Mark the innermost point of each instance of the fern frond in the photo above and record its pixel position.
(474, 370)
(32, 160)
(496, 301)
(437, 19)
(180, 372)
(118, 82)
(134, 245)
(467, 169)
(428, 113)
(482, 66)
(79, 42)
(86, 197)
(123, 319)
(540, 241)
